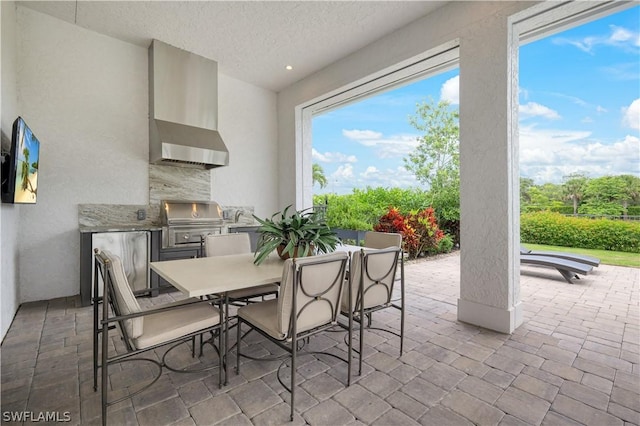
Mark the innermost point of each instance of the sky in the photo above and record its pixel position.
(579, 112)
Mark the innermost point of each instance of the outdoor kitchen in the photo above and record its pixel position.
(180, 213)
(184, 145)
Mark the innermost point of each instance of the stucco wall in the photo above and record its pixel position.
(248, 125)
(85, 95)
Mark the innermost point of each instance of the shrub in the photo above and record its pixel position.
(420, 232)
(444, 246)
(562, 209)
(425, 227)
(597, 207)
(393, 221)
(556, 229)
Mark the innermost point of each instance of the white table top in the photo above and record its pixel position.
(219, 274)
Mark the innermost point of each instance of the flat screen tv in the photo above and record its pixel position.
(20, 166)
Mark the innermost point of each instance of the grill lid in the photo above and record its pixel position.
(182, 212)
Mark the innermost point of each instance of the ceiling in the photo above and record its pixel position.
(252, 41)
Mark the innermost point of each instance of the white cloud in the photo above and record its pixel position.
(631, 115)
(546, 155)
(370, 171)
(622, 35)
(601, 109)
(383, 147)
(626, 71)
(344, 171)
(361, 134)
(332, 157)
(618, 37)
(533, 109)
(450, 91)
(397, 177)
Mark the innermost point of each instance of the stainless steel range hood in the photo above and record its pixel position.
(183, 109)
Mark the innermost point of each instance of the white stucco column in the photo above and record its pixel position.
(489, 175)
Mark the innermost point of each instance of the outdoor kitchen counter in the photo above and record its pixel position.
(119, 228)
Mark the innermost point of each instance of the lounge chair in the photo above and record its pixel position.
(588, 260)
(568, 268)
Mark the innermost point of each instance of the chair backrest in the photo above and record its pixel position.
(316, 283)
(375, 270)
(381, 240)
(227, 244)
(118, 292)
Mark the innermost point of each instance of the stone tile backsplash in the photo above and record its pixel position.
(165, 183)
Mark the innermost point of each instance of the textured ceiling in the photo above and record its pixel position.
(252, 40)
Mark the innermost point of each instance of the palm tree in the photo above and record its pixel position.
(318, 175)
(573, 187)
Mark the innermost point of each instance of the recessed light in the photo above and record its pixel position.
(288, 67)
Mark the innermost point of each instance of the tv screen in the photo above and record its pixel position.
(20, 169)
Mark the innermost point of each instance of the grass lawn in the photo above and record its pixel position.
(617, 258)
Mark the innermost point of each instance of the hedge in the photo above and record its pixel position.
(530, 208)
(558, 230)
(633, 210)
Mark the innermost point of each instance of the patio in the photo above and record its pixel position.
(575, 360)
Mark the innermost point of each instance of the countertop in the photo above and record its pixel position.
(151, 227)
(120, 228)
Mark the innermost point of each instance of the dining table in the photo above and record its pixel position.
(219, 275)
(205, 276)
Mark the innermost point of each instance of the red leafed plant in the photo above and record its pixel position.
(419, 230)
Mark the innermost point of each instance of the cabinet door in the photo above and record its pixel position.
(132, 247)
(178, 254)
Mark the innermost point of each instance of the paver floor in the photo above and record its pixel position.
(575, 360)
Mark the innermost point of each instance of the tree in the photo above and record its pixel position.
(605, 196)
(631, 189)
(525, 186)
(436, 160)
(318, 175)
(573, 188)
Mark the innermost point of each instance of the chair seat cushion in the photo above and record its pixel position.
(165, 326)
(254, 291)
(263, 315)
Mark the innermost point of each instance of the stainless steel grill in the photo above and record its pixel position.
(185, 223)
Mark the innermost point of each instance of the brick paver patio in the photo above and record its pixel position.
(575, 360)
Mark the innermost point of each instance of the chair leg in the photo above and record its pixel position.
(361, 342)
(222, 358)
(401, 307)
(294, 349)
(95, 346)
(105, 373)
(238, 346)
(350, 347)
(226, 334)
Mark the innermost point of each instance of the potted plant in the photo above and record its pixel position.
(300, 234)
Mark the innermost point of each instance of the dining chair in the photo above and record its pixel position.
(370, 285)
(226, 245)
(144, 330)
(308, 303)
(240, 243)
(380, 240)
